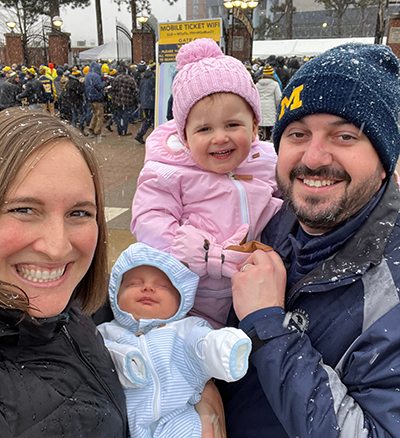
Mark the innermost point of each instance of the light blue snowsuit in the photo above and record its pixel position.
(163, 365)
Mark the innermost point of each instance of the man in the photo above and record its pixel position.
(9, 91)
(326, 341)
(74, 98)
(33, 91)
(147, 93)
(50, 91)
(124, 96)
(94, 92)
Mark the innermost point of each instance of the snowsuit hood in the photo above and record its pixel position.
(139, 254)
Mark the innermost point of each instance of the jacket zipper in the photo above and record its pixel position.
(90, 367)
(157, 398)
(244, 208)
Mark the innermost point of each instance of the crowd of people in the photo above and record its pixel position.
(83, 95)
(261, 298)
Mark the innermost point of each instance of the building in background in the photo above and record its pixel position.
(311, 19)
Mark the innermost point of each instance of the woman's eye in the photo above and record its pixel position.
(81, 213)
(21, 210)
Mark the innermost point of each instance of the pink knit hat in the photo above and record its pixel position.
(202, 70)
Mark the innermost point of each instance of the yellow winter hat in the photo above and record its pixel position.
(6, 68)
(105, 68)
(85, 70)
(268, 70)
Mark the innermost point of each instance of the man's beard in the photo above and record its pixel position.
(336, 211)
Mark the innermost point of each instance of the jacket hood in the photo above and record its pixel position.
(95, 67)
(138, 254)
(164, 145)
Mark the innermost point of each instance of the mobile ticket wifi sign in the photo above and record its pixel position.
(172, 36)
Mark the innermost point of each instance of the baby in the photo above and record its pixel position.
(208, 183)
(162, 357)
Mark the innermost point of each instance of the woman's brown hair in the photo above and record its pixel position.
(22, 132)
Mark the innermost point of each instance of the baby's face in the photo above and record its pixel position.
(219, 131)
(147, 293)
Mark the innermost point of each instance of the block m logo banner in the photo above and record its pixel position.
(293, 102)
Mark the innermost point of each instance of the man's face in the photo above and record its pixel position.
(327, 170)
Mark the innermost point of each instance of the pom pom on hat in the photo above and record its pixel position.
(358, 82)
(203, 70)
(268, 70)
(196, 51)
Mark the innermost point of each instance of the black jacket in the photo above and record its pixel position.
(75, 92)
(57, 379)
(34, 92)
(8, 94)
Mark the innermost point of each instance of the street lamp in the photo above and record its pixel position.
(11, 24)
(57, 21)
(142, 20)
(238, 8)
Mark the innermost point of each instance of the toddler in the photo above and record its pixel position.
(208, 183)
(163, 358)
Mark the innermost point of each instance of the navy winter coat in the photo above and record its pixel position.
(94, 83)
(147, 90)
(330, 366)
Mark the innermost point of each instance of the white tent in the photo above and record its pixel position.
(105, 52)
(306, 47)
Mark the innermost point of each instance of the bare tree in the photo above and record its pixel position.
(138, 7)
(339, 7)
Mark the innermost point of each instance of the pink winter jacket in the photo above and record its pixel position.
(196, 214)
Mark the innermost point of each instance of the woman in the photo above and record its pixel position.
(270, 96)
(56, 376)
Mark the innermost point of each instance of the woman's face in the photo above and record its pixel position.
(48, 228)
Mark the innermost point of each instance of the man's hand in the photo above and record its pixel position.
(262, 283)
(211, 412)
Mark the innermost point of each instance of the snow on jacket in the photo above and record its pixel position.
(124, 90)
(8, 94)
(94, 83)
(33, 91)
(75, 92)
(57, 379)
(333, 369)
(147, 90)
(178, 206)
(270, 95)
(49, 89)
(164, 364)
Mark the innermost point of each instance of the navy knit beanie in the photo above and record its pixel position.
(358, 82)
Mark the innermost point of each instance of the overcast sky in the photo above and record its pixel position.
(81, 23)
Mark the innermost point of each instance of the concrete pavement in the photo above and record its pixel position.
(121, 159)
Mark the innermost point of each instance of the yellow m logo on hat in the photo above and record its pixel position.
(293, 102)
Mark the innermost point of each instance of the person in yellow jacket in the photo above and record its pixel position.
(53, 71)
(50, 91)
